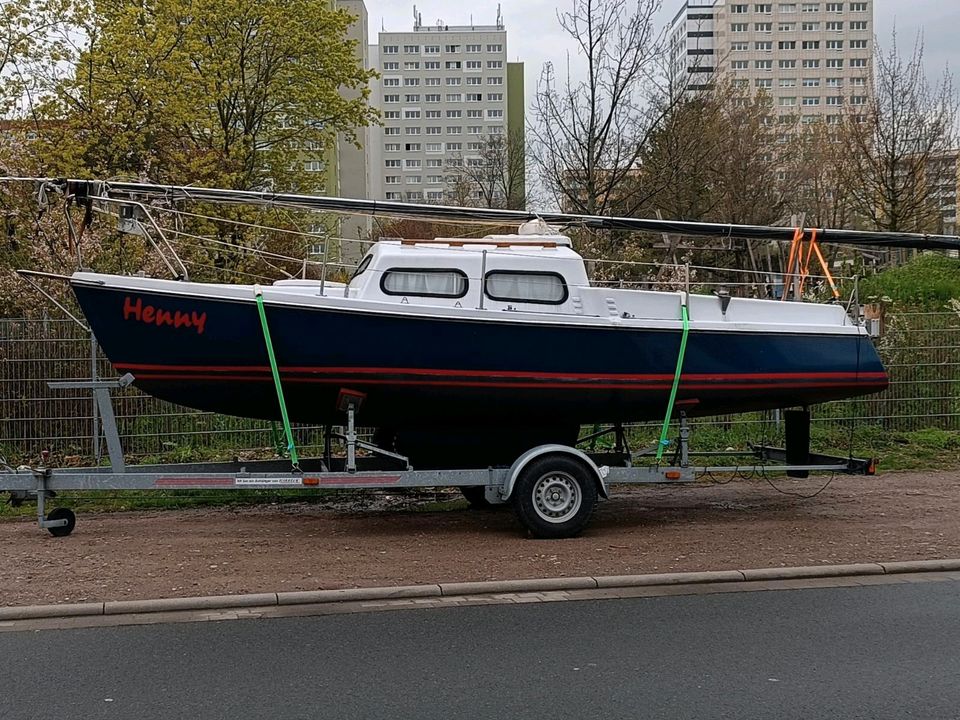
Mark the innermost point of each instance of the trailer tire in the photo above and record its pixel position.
(554, 496)
(62, 513)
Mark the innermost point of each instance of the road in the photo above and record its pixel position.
(888, 651)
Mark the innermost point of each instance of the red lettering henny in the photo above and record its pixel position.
(136, 310)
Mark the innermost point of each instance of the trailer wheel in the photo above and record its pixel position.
(554, 497)
(62, 513)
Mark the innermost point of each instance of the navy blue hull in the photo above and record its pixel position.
(209, 354)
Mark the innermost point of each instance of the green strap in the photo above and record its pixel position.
(276, 378)
(676, 383)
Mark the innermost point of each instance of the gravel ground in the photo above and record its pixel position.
(139, 555)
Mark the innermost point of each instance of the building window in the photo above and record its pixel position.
(811, 27)
(454, 113)
(788, 7)
(391, 82)
(835, 63)
(835, 7)
(474, 130)
(411, 82)
(454, 130)
(739, 64)
(811, 64)
(412, 164)
(412, 147)
(391, 163)
(474, 97)
(811, 45)
(834, 82)
(494, 97)
(858, 7)
(787, 27)
(787, 45)
(391, 66)
(834, 26)
(454, 80)
(313, 165)
(431, 81)
(858, 24)
(764, 64)
(391, 147)
(411, 98)
(494, 129)
(811, 7)
(414, 196)
(739, 27)
(494, 64)
(433, 130)
(434, 148)
(764, 83)
(494, 48)
(391, 114)
(858, 100)
(391, 179)
(411, 65)
(495, 80)
(391, 131)
(834, 44)
(858, 44)
(474, 113)
(739, 46)
(474, 48)
(454, 97)
(474, 81)
(764, 46)
(391, 49)
(763, 27)
(764, 8)
(431, 49)
(787, 64)
(431, 65)
(453, 65)
(739, 9)
(394, 196)
(431, 98)
(411, 49)
(474, 65)
(811, 101)
(835, 100)
(452, 48)
(788, 82)
(411, 114)
(811, 82)
(414, 179)
(455, 146)
(858, 62)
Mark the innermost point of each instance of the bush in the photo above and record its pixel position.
(928, 281)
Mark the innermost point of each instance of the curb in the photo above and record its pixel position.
(461, 589)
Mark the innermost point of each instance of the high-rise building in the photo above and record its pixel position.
(812, 58)
(444, 91)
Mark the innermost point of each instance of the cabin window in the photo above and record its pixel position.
(364, 264)
(424, 282)
(546, 288)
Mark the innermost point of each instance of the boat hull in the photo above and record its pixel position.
(209, 353)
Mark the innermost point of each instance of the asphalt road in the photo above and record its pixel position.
(890, 651)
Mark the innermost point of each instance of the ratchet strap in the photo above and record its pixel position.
(276, 377)
(662, 444)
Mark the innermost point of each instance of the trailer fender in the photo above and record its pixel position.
(600, 473)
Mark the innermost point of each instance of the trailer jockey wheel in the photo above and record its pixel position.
(554, 496)
(62, 513)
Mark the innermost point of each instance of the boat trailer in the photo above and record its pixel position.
(552, 488)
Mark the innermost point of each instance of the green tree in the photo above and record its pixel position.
(231, 93)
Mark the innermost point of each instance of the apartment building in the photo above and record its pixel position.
(812, 58)
(444, 91)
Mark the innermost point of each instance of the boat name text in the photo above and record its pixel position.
(136, 310)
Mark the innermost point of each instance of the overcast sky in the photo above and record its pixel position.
(534, 36)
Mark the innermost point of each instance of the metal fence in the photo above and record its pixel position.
(921, 350)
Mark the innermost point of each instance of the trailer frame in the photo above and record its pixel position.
(553, 488)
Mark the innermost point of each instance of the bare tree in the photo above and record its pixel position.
(588, 136)
(893, 141)
(495, 176)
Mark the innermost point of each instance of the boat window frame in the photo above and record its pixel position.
(361, 268)
(554, 273)
(447, 296)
